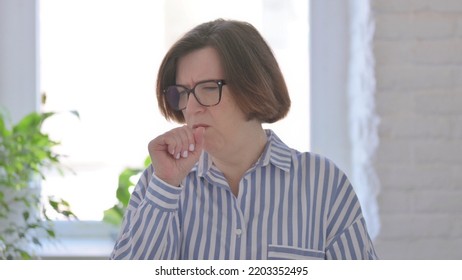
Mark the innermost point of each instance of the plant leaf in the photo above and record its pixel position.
(113, 215)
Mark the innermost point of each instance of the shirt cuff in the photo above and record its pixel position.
(162, 194)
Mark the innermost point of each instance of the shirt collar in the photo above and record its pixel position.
(276, 153)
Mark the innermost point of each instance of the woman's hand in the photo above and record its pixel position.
(175, 152)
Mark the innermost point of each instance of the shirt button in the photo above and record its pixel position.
(238, 231)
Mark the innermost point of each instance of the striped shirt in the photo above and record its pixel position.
(290, 205)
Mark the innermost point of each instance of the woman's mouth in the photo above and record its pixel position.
(200, 125)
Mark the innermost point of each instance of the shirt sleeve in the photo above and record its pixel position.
(347, 236)
(150, 228)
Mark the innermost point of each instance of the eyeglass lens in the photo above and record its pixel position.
(207, 93)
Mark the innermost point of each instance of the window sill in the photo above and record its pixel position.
(80, 240)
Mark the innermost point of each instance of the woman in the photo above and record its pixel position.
(222, 187)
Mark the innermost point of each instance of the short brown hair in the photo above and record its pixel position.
(250, 68)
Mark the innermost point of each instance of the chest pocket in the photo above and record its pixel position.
(281, 252)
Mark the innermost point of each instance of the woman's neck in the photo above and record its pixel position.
(241, 156)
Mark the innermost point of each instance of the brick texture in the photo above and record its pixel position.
(418, 53)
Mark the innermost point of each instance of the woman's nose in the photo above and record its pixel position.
(193, 105)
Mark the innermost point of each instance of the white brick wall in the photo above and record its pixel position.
(418, 55)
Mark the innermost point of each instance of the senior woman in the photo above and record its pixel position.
(221, 186)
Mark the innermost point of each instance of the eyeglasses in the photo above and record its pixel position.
(207, 93)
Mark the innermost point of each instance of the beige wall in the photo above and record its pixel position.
(418, 55)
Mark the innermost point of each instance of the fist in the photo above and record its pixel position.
(175, 152)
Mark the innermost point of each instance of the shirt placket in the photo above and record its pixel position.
(242, 220)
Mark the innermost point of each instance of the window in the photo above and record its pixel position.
(101, 59)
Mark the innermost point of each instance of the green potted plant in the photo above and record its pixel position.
(114, 215)
(25, 155)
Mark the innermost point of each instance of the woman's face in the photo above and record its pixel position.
(224, 121)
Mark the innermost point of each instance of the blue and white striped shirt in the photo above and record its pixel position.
(290, 205)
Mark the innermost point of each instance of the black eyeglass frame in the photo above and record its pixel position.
(188, 91)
